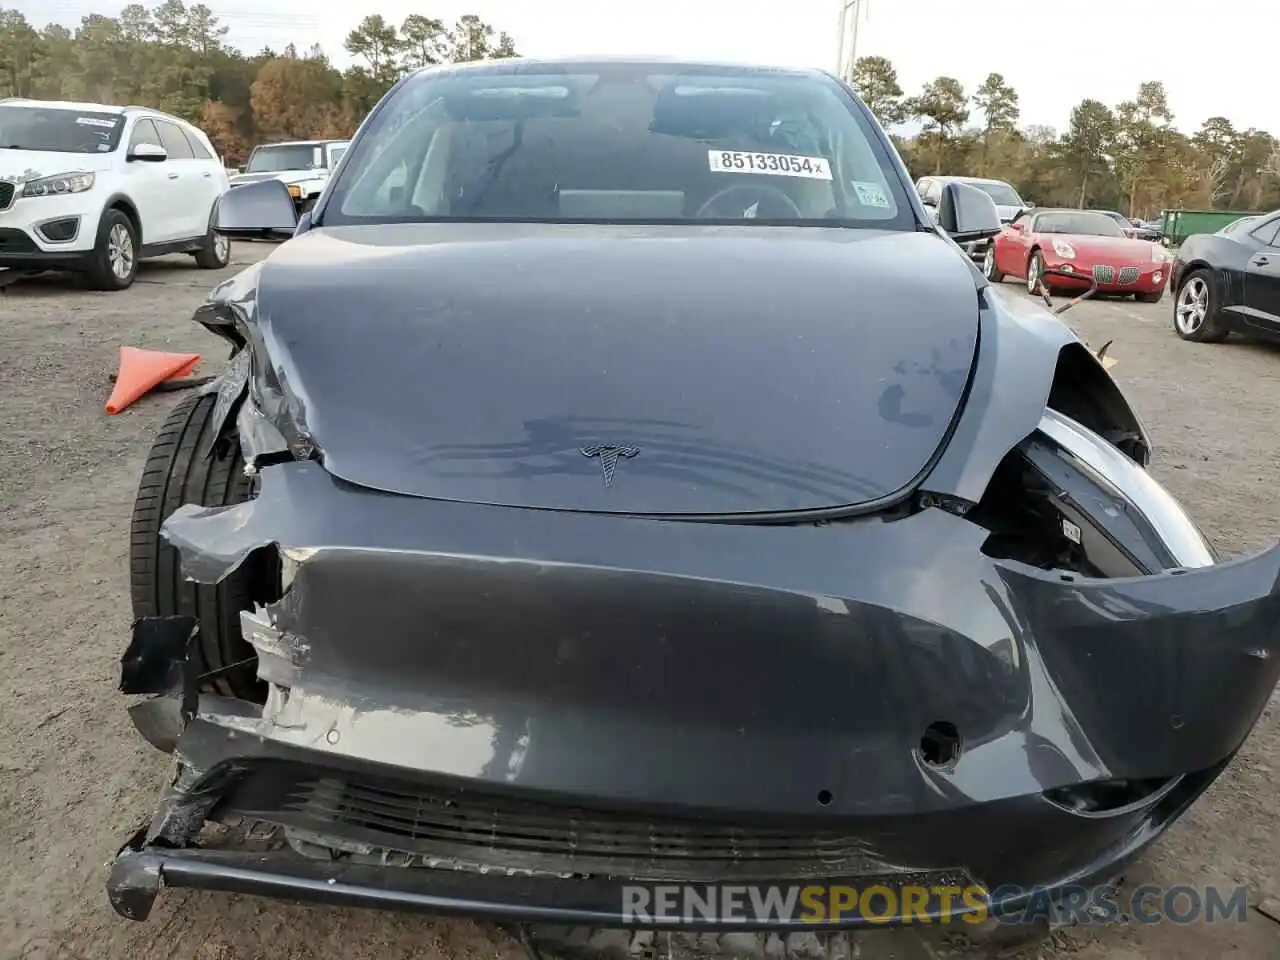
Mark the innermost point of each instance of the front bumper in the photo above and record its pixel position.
(501, 713)
(1142, 278)
(68, 245)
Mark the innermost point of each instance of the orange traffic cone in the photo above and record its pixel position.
(142, 370)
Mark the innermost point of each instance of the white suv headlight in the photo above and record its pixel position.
(1064, 249)
(58, 184)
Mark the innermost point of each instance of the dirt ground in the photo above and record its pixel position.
(75, 778)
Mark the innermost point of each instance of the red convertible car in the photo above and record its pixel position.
(1081, 242)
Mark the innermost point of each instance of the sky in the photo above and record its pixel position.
(1215, 59)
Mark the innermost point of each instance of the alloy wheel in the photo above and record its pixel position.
(1033, 275)
(222, 247)
(1193, 306)
(989, 262)
(120, 251)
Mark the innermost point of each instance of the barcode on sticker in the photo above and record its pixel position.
(769, 164)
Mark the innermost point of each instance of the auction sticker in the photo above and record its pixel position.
(870, 194)
(95, 122)
(769, 164)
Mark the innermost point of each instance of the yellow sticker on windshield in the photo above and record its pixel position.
(769, 164)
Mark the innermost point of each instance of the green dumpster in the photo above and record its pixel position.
(1177, 225)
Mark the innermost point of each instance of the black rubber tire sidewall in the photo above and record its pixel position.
(185, 466)
(100, 276)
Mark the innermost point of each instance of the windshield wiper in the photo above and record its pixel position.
(471, 204)
(13, 146)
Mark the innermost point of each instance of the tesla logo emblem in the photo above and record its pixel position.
(609, 454)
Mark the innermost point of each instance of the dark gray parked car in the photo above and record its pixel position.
(1007, 200)
(619, 477)
(1132, 228)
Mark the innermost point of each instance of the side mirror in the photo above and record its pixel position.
(147, 152)
(262, 210)
(966, 213)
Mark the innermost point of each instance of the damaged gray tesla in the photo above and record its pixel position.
(619, 478)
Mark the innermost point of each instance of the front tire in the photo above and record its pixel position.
(114, 263)
(186, 466)
(216, 252)
(1035, 271)
(989, 268)
(1195, 310)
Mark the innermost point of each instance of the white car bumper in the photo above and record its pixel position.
(47, 233)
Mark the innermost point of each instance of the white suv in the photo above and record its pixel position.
(93, 189)
(303, 166)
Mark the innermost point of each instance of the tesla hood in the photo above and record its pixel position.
(649, 370)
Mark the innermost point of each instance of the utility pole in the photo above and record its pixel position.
(841, 32)
(853, 46)
(844, 64)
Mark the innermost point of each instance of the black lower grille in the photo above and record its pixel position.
(515, 835)
(7, 190)
(1129, 275)
(16, 241)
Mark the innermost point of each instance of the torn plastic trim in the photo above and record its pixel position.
(158, 662)
(231, 388)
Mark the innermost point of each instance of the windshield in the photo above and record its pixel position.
(1235, 226)
(1081, 223)
(620, 143)
(59, 130)
(283, 156)
(1003, 194)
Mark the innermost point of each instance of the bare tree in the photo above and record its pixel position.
(1218, 173)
